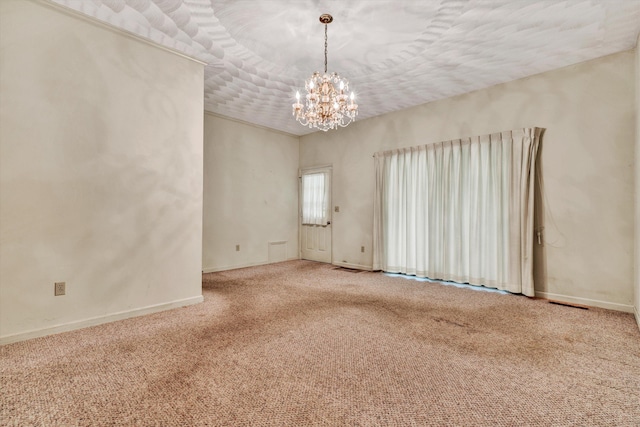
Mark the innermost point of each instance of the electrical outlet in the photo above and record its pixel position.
(59, 289)
(362, 249)
(237, 248)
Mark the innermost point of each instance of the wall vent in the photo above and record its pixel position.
(278, 251)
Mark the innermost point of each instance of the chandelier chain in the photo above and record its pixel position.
(325, 48)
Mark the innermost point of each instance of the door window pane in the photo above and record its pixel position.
(315, 199)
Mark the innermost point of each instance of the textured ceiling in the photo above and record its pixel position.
(395, 53)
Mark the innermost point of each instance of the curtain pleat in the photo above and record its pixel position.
(459, 210)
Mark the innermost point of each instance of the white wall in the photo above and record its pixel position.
(250, 195)
(587, 160)
(100, 173)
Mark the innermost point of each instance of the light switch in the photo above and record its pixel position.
(336, 209)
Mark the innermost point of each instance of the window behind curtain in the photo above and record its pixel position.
(315, 198)
(459, 210)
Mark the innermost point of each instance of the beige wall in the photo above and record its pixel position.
(587, 161)
(100, 173)
(250, 195)
(637, 186)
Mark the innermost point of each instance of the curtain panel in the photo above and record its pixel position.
(459, 210)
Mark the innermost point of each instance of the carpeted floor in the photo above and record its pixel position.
(307, 344)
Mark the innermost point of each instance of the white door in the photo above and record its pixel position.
(315, 214)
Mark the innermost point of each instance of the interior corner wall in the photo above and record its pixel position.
(637, 188)
(250, 195)
(587, 162)
(100, 173)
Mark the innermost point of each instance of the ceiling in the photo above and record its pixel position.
(395, 53)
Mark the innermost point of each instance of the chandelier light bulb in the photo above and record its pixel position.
(326, 107)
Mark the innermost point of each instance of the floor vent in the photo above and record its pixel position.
(349, 270)
(568, 304)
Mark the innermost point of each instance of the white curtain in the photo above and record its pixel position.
(459, 210)
(315, 198)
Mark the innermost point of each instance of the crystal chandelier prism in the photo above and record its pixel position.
(328, 102)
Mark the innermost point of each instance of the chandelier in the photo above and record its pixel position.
(325, 106)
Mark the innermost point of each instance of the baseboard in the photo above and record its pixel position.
(637, 313)
(586, 301)
(235, 267)
(353, 266)
(98, 320)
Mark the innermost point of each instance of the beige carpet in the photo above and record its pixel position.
(306, 344)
